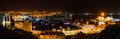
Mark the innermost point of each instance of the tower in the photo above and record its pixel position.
(7, 21)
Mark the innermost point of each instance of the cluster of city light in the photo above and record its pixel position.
(71, 32)
(87, 28)
(98, 28)
(20, 14)
(93, 30)
(36, 31)
(67, 32)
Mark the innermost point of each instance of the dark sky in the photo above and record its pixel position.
(65, 5)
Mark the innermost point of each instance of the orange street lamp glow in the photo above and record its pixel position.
(102, 14)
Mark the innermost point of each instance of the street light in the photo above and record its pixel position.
(102, 14)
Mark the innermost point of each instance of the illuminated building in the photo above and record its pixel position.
(24, 25)
(7, 20)
(27, 26)
(18, 25)
(52, 35)
(71, 32)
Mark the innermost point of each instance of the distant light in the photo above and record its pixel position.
(58, 30)
(71, 32)
(3, 23)
(109, 18)
(116, 20)
(111, 14)
(90, 27)
(100, 23)
(67, 23)
(102, 14)
(34, 27)
(24, 17)
(101, 18)
(86, 14)
(37, 19)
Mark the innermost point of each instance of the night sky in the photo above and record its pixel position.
(61, 5)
